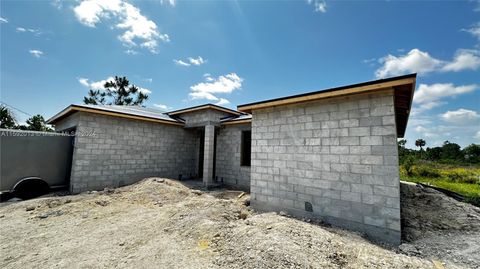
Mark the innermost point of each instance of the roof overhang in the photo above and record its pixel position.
(403, 87)
(244, 121)
(76, 108)
(203, 107)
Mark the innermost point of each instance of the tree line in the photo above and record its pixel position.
(119, 91)
(34, 123)
(449, 152)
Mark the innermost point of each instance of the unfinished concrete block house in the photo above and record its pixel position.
(329, 154)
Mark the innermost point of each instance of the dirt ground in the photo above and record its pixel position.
(435, 225)
(160, 223)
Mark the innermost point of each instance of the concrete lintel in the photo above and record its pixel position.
(202, 124)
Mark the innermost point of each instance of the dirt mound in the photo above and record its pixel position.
(440, 227)
(426, 211)
(160, 223)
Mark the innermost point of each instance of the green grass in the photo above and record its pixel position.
(462, 180)
(465, 189)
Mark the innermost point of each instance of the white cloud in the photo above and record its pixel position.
(90, 12)
(319, 6)
(36, 53)
(190, 61)
(434, 92)
(148, 80)
(29, 30)
(169, 2)
(477, 135)
(162, 107)
(181, 63)
(84, 82)
(460, 116)
(57, 4)
(203, 95)
(139, 30)
(417, 61)
(437, 131)
(144, 90)
(426, 132)
(197, 61)
(430, 96)
(415, 121)
(131, 52)
(99, 85)
(422, 107)
(420, 129)
(474, 30)
(3, 20)
(369, 61)
(221, 85)
(464, 59)
(208, 77)
(222, 101)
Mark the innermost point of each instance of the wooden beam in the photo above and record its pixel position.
(186, 110)
(237, 122)
(328, 94)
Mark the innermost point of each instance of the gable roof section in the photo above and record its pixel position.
(203, 107)
(131, 112)
(403, 87)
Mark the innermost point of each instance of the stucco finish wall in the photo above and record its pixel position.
(229, 141)
(339, 155)
(123, 151)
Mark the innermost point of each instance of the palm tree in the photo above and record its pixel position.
(420, 143)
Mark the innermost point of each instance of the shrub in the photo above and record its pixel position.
(408, 164)
(461, 175)
(425, 171)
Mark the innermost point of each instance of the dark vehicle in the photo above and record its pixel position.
(33, 163)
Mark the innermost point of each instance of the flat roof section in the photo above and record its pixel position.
(403, 87)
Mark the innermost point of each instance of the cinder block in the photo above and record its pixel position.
(371, 140)
(359, 131)
(374, 221)
(349, 141)
(339, 149)
(384, 130)
(386, 191)
(378, 160)
(350, 196)
(362, 188)
(361, 168)
(349, 123)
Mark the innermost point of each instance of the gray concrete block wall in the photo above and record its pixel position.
(208, 152)
(122, 151)
(339, 155)
(202, 117)
(228, 166)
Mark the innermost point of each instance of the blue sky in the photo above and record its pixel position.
(185, 53)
